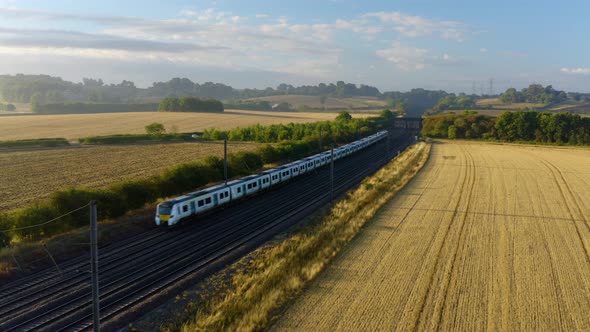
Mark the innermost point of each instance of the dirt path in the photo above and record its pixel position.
(486, 237)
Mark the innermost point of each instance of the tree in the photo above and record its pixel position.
(155, 129)
(344, 116)
(387, 115)
(283, 107)
(452, 132)
(35, 104)
(323, 101)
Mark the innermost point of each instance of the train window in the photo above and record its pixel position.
(184, 208)
(254, 184)
(201, 203)
(239, 190)
(208, 200)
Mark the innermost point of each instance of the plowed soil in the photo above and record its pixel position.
(486, 237)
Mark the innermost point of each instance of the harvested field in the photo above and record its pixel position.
(486, 237)
(330, 103)
(29, 176)
(74, 126)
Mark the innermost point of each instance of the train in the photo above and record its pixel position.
(174, 210)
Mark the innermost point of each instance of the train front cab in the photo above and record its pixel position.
(165, 213)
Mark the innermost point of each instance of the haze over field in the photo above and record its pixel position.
(392, 45)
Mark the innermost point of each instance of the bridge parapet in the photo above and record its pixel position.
(407, 123)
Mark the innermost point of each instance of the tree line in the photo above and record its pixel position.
(535, 93)
(453, 102)
(7, 107)
(190, 104)
(45, 89)
(343, 129)
(530, 126)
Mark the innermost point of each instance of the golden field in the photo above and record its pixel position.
(486, 237)
(331, 103)
(31, 175)
(74, 126)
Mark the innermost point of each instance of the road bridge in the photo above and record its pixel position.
(407, 123)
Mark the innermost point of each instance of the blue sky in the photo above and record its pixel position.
(394, 45)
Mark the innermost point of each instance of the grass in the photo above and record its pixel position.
(281, 272)
(30, 176)
(75, 126)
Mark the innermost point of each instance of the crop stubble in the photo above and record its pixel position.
(486, 237)
(74, 126)
(31, 175)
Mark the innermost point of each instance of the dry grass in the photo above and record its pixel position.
(279, 273)
(74, 126)
(330, 103)
(30, 176)
(487, 237)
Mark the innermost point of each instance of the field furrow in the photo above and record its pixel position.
(486, 237)
(29, 176)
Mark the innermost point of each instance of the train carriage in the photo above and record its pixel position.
(171, 211)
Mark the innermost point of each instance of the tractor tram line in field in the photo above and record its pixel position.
(140, 272)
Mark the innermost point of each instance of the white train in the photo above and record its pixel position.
(172, 211)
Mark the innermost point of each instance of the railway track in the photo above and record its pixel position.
(143, 271)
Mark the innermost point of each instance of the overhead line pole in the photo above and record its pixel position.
(332, 173)
(225, 160)
(320, 139)
(94, 266)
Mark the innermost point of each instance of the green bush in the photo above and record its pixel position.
(244, 163)
(88, 108)
(190, 104)
(130, 139)
(39, 142)
(136, 193)
(186, 177)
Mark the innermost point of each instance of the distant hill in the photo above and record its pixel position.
(45, 89)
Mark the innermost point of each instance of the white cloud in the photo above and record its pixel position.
(213, 38)
(576, 71)
(416, 26)
(405, 57)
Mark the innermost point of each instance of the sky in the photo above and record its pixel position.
(453, 45)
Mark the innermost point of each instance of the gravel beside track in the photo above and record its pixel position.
(138, 274)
